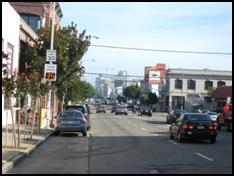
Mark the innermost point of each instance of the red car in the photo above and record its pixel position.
(100, 109)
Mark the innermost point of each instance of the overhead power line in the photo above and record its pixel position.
(159, 50)
(107, 74)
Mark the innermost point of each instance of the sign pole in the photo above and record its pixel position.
(51, 47)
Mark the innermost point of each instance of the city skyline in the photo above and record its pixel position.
(164, 26)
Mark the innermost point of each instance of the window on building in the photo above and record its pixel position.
(221, 84)
(208, 84)
(191, 84)
(10, 52)
(32, 20)
(178, 84)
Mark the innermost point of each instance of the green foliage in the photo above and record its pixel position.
(70, 48)
(132, 92)
(210, 91)
(80, 91)
(144, 98)
(121, 99)
(149, 98)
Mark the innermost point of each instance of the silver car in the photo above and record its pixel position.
(71, 121)
(212, 115)
(121, 110)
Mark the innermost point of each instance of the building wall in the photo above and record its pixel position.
(42, 9)
(200, 76)
(10, 34)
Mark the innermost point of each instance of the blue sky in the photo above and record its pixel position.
(194, 26)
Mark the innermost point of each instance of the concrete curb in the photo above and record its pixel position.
(9, 164)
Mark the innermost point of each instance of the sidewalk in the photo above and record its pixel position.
(10, 155)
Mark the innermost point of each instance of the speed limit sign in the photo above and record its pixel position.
(51, 55)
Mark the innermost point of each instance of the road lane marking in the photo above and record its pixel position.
(156, 134)
(203, 156)
(172, 142)
(143, 129)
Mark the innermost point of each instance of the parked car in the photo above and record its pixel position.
(145, 110)
(174, 115)
(100, 109)
(87, 107)
(212, 115)
(193, 126)
(71, 121)
(81, 108)
(121, 110)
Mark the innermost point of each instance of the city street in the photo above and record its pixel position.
(119, 144)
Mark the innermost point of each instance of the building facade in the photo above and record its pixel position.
(10, 46)
(38, 14)
(189, 87)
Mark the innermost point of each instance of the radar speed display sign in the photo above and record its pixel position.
(50, 72)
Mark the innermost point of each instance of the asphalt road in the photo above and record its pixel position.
(119, 144)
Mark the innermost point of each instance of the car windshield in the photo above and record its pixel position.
(71, 114)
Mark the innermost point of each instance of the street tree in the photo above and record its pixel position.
(70, 47)
(80, 91)
(132, 92)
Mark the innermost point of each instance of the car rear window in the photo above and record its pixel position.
(71, 114)
(79, 108)
(212, 113)
(197, 117)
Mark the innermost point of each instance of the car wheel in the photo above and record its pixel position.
(171, 135)
(180, 138)
(84, 133)
(56, 133)
(213, 140)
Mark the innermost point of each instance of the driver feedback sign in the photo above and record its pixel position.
(50, 72)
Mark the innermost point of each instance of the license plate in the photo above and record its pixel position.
(200, 127)
(70, 122)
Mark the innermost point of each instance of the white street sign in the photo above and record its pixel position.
(50, 72)
(51, 55)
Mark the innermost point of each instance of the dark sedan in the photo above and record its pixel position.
(81, 108)
(193, 126)
(145, 110)
(71, 121)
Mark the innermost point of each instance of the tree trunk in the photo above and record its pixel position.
(19, 117)
(34, 114)
(6, 139)
(13, 124)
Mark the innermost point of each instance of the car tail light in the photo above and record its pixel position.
(212, 127)
(187, 126)
(84, 120)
